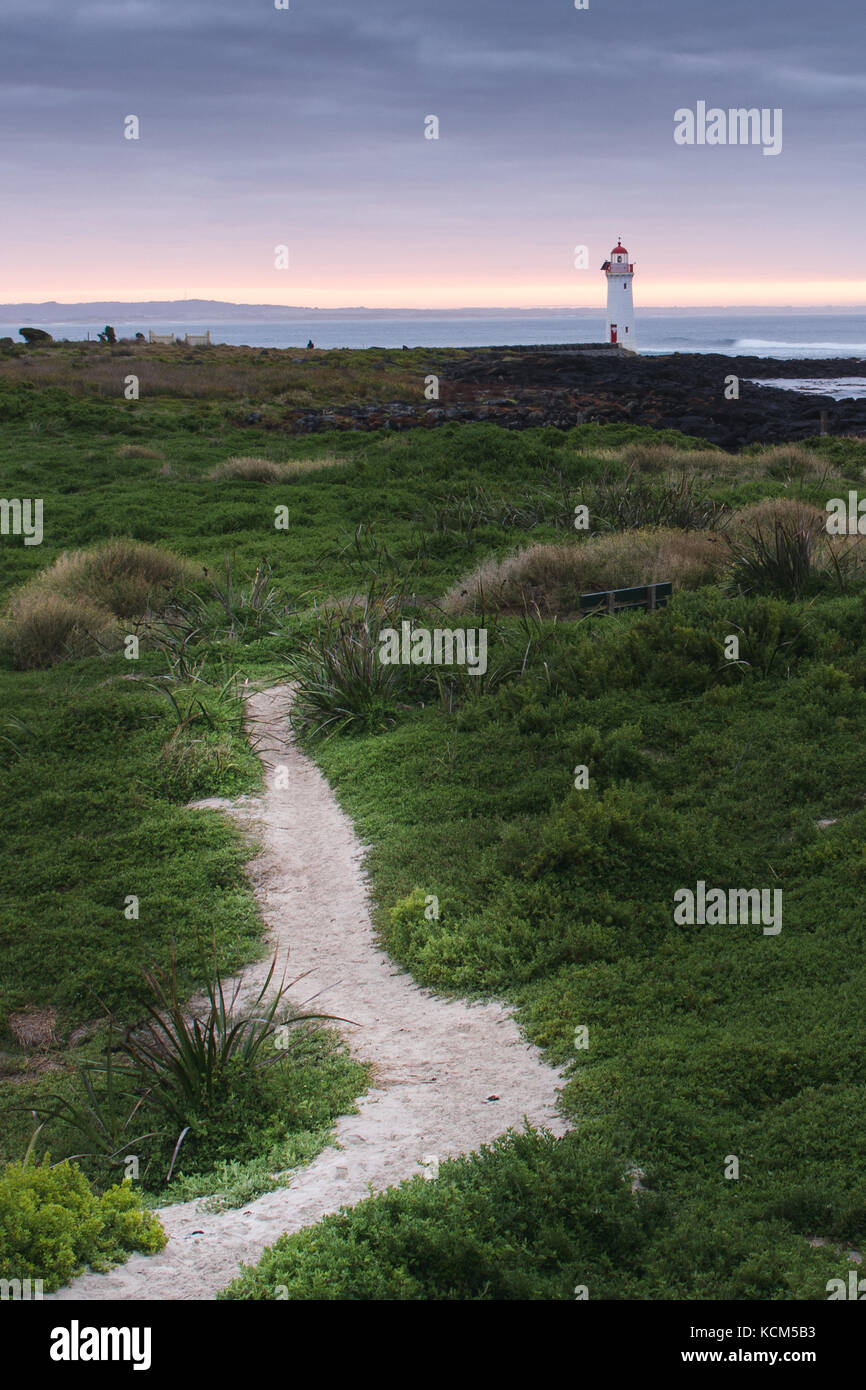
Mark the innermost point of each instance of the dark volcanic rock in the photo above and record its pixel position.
(522, 387)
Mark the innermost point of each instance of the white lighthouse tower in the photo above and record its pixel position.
(620, 307)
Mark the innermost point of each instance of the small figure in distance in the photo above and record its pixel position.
(311, 344)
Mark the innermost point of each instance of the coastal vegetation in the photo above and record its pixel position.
(160, 525)
(171, 373)
(52, 1226)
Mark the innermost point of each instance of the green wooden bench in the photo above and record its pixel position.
(648, 596)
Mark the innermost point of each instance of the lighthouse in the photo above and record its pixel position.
(620, 307)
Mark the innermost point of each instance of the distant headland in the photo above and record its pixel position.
(223, 311)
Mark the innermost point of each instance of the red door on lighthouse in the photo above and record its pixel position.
(613, 333)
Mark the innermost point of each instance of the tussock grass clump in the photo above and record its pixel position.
(126, 576)
(341, 683)
(552, 577)
(41, 627)
(72, 609)
(188, 1080)
(635, 502)
(139, 451)
(250, 470)
(259, 470)
(779, 461)
(190, 766)
(786, 510)
(659, 458)
(781, 546)
(793, 461)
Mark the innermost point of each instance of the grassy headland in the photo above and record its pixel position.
(704, 1042)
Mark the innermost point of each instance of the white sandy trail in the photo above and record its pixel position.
(437, 1063)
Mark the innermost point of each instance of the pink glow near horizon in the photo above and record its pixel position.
(379, 291)
(136, 263)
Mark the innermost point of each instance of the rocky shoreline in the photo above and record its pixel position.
(524, 387)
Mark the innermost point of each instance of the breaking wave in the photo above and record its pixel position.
(839, 388)
(807, 349)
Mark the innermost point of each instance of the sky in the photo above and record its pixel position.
(304, 128)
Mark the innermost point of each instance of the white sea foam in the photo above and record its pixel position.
(841, 388)
(788, 349)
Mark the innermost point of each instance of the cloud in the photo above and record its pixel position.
(552, 119)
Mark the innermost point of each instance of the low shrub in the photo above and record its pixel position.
(529, 1217)
(252, 1112)
(514, 937)
(52, 1225)
(190, 767)
(534, 1218)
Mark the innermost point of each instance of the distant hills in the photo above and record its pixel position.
(210, 311)
(220, 311)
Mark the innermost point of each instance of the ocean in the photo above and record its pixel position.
(760, 334)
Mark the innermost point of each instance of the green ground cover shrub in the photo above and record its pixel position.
(91, 816)
(528, 1217)
(705, 1042)
(558, 899)
(52, 1225)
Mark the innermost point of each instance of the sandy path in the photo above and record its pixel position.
(437, 1062)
